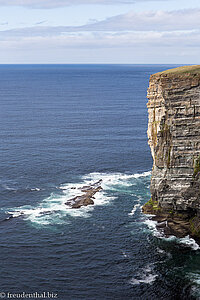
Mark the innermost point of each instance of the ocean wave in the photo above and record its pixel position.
(53, 210)
(18, 189)
(189, 242)
(112, 179)
(135, 207)
(146, 275)
(194, 277)
(125, 254)
(186, 241)
(35, 189)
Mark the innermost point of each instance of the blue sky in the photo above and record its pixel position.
(99, 31)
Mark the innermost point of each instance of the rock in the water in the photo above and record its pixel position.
(87, 197)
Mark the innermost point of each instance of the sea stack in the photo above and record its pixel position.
(174, 139)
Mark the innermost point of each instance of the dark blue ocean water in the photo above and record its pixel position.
(64, 126)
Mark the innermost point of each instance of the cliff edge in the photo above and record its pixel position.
(174, 139)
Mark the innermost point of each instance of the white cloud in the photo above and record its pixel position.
(61, 3)
(103, 47)
(97, 40)
(148, 36)
(128, 30)
(160, 21)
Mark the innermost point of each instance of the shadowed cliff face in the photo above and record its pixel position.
(174, 139)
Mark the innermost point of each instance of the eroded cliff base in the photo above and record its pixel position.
(174, 223)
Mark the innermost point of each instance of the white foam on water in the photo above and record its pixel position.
(112, 179)
(15, 214)
(134, 209)
(188, 241)
(47, 213)
(125, 255)
(146, 275)
(151, 224)
(161, 251)
(195, 278)
(146, 279)
(53, 210)
(6, 187)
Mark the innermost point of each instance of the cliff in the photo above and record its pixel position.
(174, 139)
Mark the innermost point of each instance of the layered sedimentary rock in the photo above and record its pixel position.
(174, 139)
(87, 196)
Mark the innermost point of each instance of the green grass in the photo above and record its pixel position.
(195, 69)
(195, 226)
(196, 167)
(151, 204)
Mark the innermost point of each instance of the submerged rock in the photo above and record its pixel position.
(87, 197)
(174, 139)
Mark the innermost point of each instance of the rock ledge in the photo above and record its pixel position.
(87, 197)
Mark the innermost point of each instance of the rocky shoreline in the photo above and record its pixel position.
(87, 198)
(179, 224)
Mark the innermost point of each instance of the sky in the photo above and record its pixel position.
(100, 31)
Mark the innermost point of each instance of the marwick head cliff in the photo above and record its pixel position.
(174, 139)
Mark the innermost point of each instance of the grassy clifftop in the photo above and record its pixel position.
(195, 69)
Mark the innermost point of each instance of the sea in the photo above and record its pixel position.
(64, 127)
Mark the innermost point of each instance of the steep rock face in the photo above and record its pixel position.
(174, 139)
